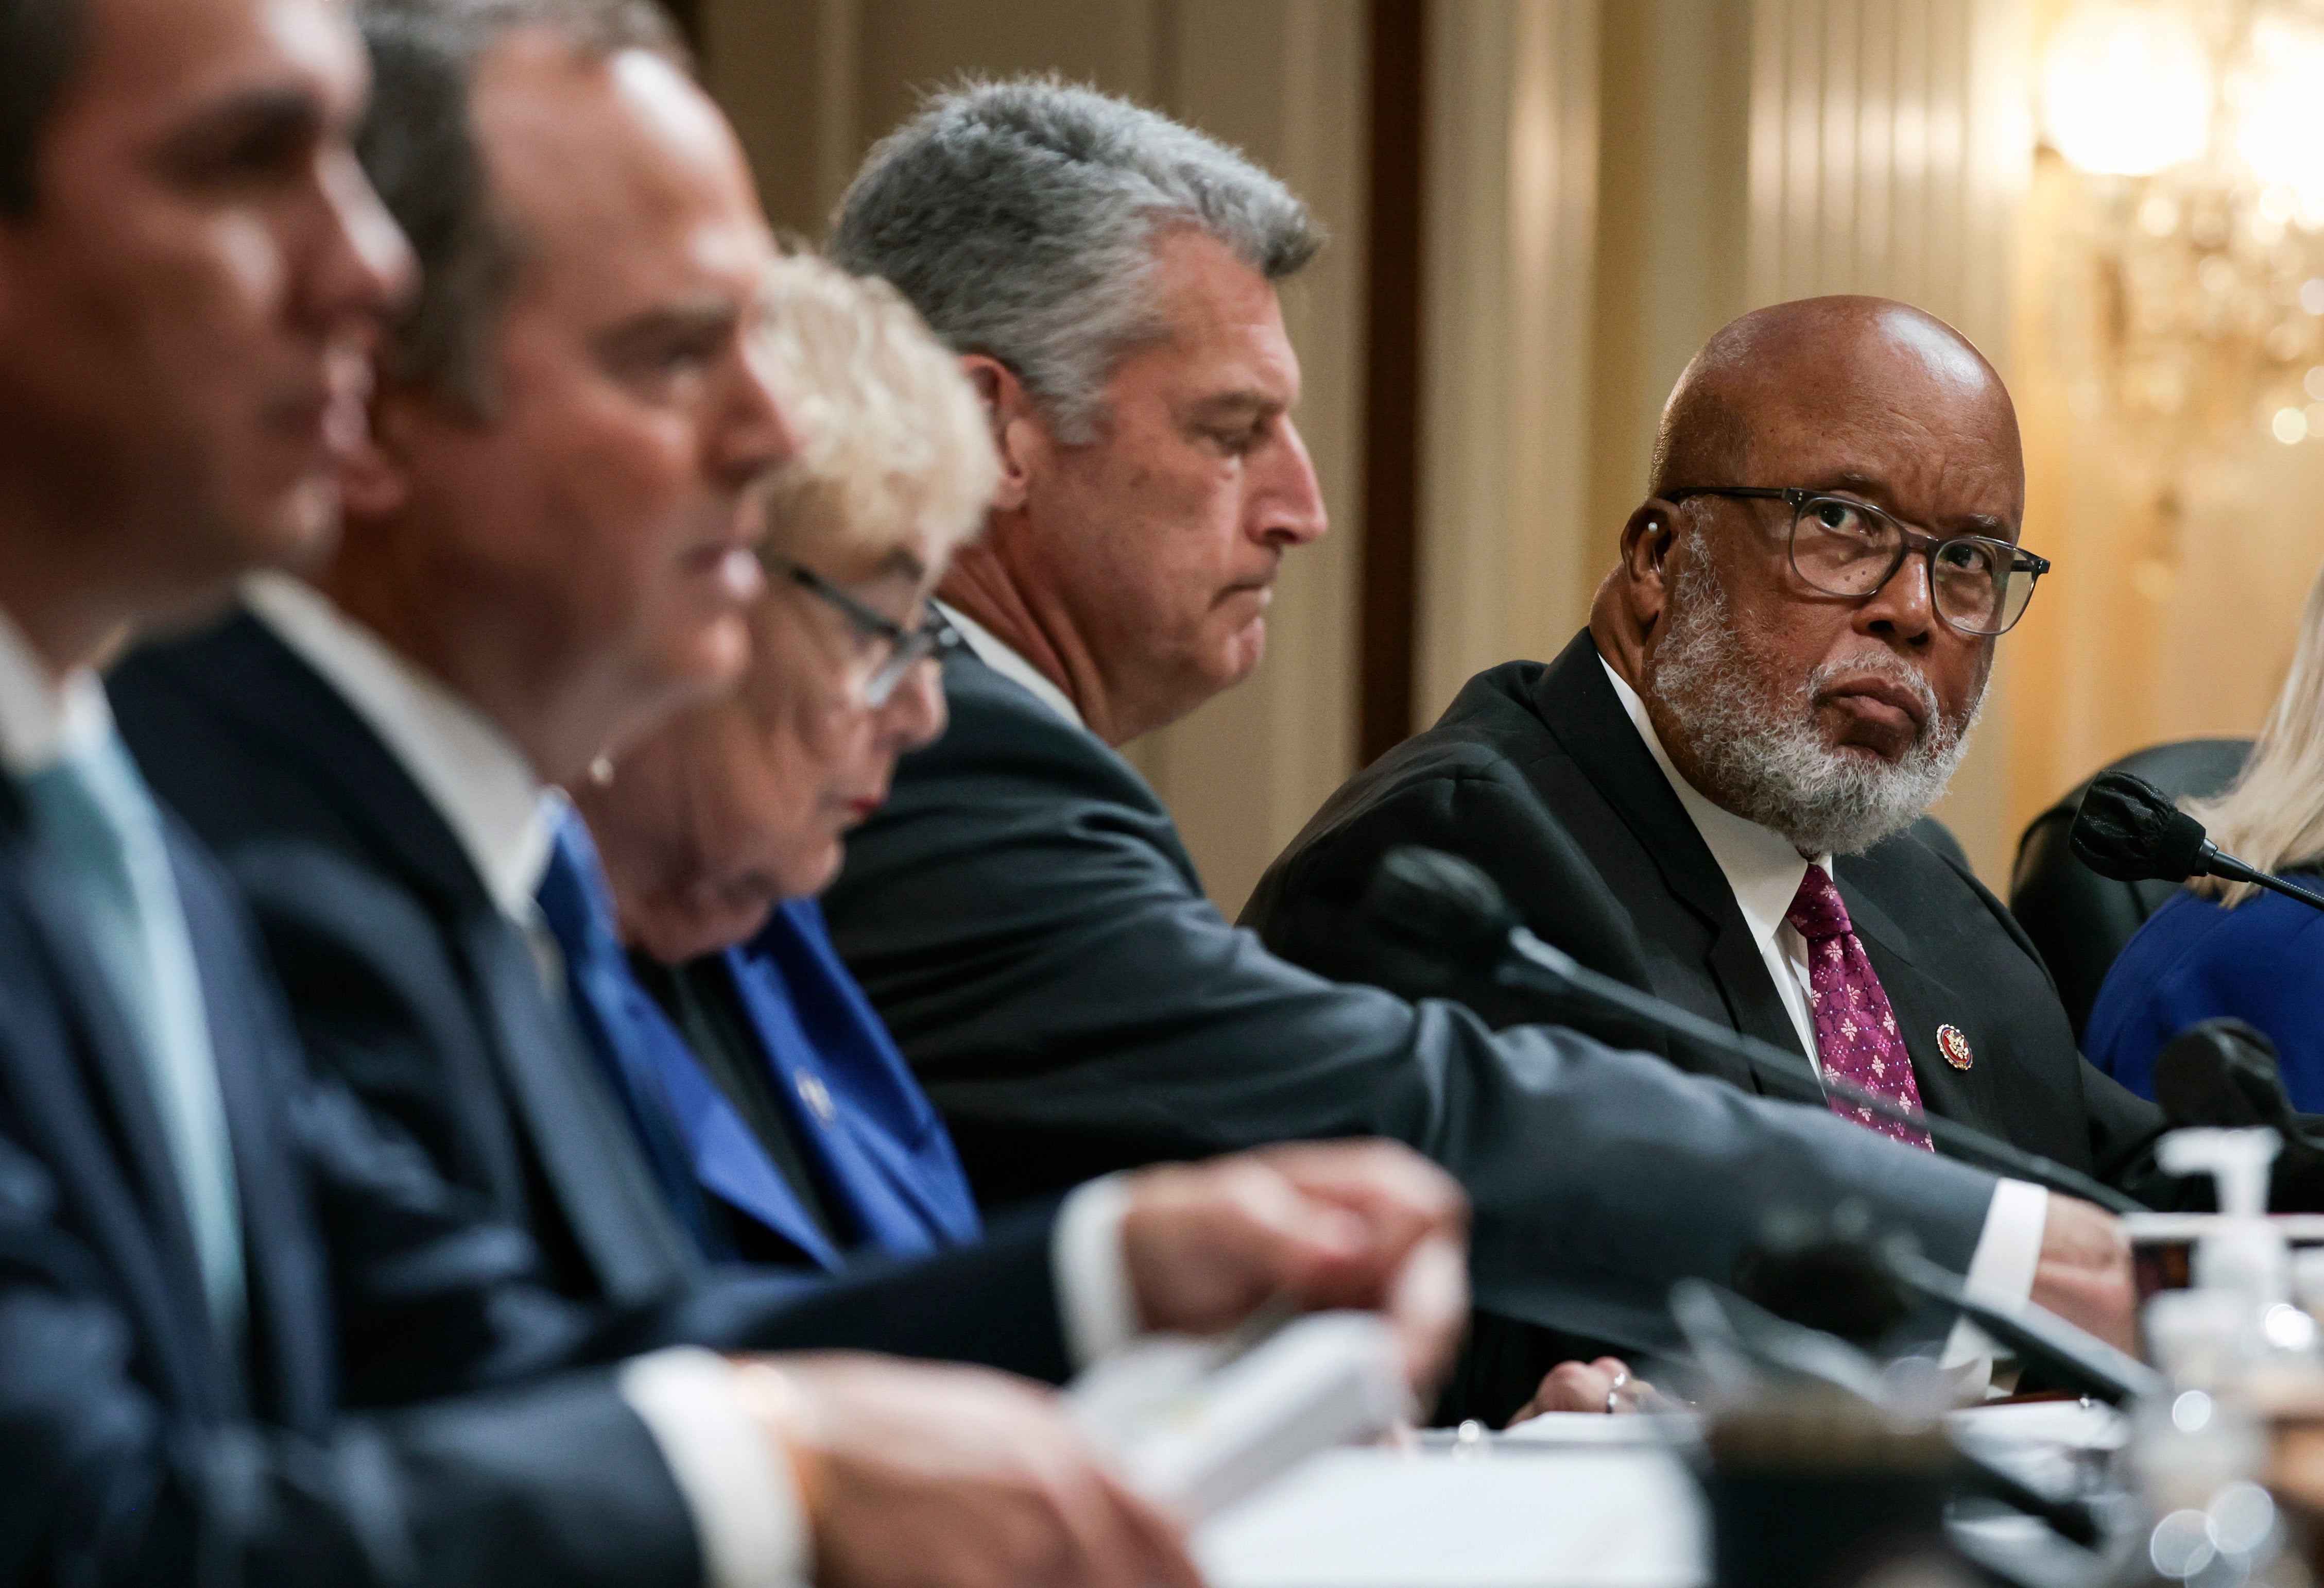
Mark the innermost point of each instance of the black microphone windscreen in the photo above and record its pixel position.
(2222, 1072)
(1428, 903)
(2128, 830)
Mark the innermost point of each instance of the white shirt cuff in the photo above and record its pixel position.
(2008, 1251)
(741, 1495)
(1094, 1299)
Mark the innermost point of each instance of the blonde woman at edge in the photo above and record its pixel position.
(2229, 948)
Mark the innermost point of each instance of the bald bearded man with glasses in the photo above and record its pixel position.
(1712, 793)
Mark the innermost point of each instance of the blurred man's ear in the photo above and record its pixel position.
(1019, 430)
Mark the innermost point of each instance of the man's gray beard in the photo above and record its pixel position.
(1768, 761)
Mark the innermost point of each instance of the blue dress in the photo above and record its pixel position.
(2262, 961)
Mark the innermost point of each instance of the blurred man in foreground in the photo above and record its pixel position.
(192, 270)
(212, 1255)
(1022, 911)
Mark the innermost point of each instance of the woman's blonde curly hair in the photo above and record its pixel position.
(2273, 816)
(893, 436)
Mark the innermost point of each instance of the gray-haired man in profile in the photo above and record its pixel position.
(1023, 913)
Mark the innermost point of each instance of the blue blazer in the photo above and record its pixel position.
(2262, 961)
(886, 1164)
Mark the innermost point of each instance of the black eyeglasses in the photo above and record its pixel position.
(906, 648)
(1843, 547)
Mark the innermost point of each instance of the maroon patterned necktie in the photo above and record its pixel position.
(1855, 1029)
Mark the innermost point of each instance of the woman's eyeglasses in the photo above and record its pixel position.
(900, 649)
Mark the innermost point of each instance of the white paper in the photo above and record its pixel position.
(1535, 1518)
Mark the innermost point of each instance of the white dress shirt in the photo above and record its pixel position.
(1763, 871)
(996, 653)
(746, 1503)
(44, 719)
(475, 775)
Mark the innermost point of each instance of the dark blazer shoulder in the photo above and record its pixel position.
(1008, 764)
(1483, 738)
(999, 730)
(249, 742)
(1495, 781)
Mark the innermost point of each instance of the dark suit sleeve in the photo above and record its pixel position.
(1026, 919)
(496, 1452)
(101, 1484)
(436, 1297)
(1308, 907)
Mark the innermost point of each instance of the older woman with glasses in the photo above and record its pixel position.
(717, 832)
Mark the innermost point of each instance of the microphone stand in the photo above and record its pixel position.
(2218, 864)
(1532, 966)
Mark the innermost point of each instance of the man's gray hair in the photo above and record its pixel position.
(41, 46)
(1021, 219)
(418, 146)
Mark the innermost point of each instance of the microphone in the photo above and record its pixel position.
(2128, 830)
(2223, 1073)
(1444, 921)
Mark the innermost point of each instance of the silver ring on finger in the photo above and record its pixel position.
(1614, 1392)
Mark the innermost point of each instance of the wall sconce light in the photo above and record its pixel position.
(2280, 106)
(2126, 88)
(2195, 270)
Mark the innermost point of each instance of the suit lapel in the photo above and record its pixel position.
(885, 1141)
(631, 1240)
(1579, 708)
(726, 1156)
(888, 1202)
(156, 1264)
(290, 1294)
(1922, 1003)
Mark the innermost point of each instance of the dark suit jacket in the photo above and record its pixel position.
(140, 1450)
(1024, 916)
(1537, 775)
(405, 979)
(408, 985)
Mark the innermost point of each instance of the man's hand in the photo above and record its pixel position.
(2084, 1275)
(1601, 1386)
(1367, 1224)
(915, 1476)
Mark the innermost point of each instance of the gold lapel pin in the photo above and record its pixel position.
(1954, 1047)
